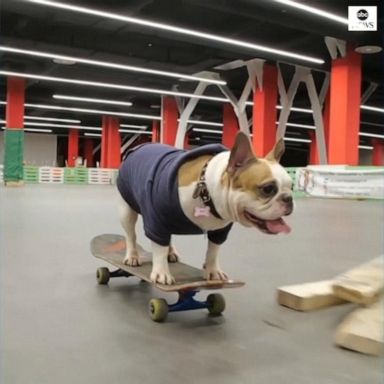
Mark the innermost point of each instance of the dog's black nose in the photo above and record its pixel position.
(286, 198)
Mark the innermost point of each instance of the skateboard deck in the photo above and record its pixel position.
(111, 248)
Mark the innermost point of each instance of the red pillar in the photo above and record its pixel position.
(73, 147)
(104, 141)
(14, 134)
(313, 152)
(264, 112)
(344, 114)
(155, 132)
(378, 152)
(110, 143)
(170, 114)
(230, 125)
(314, 158)
(14, 114)
(88, 152)
(326, 110)
(186, 140)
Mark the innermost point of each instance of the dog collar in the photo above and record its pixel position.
(201, 191)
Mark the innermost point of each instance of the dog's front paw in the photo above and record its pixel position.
(132, 259)
(162, 277)
(215, 274)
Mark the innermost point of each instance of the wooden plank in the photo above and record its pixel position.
(308, 296)
(363, 330)
(362, 284)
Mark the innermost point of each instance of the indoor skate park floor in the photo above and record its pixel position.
(59, 326)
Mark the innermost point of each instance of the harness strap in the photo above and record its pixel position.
(201, 191)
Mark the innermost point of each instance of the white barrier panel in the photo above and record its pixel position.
(51, 175)
(100, 176)
(341, 182)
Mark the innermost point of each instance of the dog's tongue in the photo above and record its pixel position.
(278, 226)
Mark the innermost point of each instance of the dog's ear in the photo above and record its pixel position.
(277, 151)
(241, 153)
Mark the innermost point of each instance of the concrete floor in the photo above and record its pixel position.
(59, 326)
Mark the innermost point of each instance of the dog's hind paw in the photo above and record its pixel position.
(173, 256)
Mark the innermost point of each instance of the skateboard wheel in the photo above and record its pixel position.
(216, 303)
(158, 310)
(102, 275)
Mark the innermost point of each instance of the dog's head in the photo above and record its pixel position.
(260, 190)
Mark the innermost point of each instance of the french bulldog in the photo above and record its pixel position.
(203, 190)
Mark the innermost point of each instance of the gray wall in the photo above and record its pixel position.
(40, 149)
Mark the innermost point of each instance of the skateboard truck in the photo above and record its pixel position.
(159, 308)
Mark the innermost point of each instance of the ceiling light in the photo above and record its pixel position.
(372, 124)
(27, 117)
(370, 108)
(133, 131)
(371, 135)
(95, 111)
(368, 49)
(294, 109)
(365, 147)
(202, 122)
(56, 60)
(134, 126)
(299, 125)
(90, 100)
(92, 134)
(114, 86)
(177, 30)
(204, 130)
(62, 126)
(297, 140)
(314, 10)
(69, 60)
(38, 130)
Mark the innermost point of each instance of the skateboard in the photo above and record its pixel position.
(189, 280)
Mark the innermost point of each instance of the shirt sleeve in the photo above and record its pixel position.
(219, 235)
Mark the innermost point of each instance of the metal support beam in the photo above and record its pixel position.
(324, 89)
(186, 114)
(368, 92)
(299, 76)
(335, 47)
(129, 142)
(255, 72)
(304, 75)
(317, 117)
(239, 105)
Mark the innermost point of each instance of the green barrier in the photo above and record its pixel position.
(13, 154)
(75, 176)
(31, 174)
(292, 172)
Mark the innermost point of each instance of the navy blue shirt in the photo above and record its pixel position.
(148, 182)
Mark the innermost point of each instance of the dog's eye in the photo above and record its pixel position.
(269, 190)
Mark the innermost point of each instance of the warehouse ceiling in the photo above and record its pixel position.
(30, 26)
